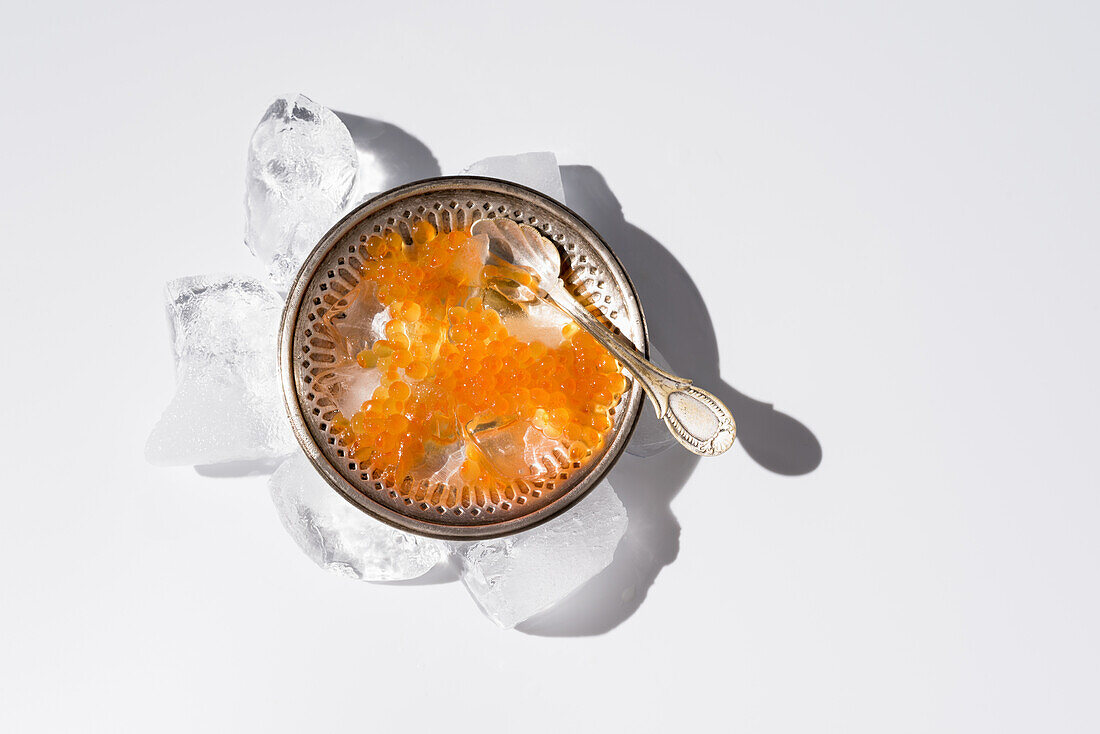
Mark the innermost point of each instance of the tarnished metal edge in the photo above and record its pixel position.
(593, 475)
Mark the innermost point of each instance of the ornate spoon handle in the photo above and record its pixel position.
(698, 420)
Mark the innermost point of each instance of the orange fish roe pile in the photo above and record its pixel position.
(454, 380)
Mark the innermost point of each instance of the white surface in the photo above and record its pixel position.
(907, 267)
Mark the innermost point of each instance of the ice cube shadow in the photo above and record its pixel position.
(388, 156)
(646, 487)
(443, 572)
(681, 329)
(244, 468)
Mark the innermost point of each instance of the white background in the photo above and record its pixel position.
(890, 214)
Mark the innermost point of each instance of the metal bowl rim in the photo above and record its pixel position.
(336, 480)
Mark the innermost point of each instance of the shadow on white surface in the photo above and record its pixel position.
(388, 156)
(680, 328)
(444, 572)
(250, 468)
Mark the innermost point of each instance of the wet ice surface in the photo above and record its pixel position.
(228, 404)
(301, 168)
(538, 171)
(349, 385)
(515, 448)
(538, 321)
(340, 538)
(354, 323)
(516, 577)
(441, 463)
(357, 320)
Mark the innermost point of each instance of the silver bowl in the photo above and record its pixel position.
(590, 270)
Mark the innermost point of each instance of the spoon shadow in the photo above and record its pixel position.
(680, 328)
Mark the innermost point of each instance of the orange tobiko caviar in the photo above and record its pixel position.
(470, 392)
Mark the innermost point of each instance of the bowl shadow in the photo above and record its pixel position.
(388, 156)
(680, 328)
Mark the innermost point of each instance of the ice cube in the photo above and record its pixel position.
(357, 320)
(228, 404)
(339, 537)
(301, 168)
(515, 577)
(516, 449)
(444, 449)
(535, 321)
(349, 385)
(651, 436)
(538, 171)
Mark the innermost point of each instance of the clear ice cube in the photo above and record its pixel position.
(515, 577)
(440, 464)
(340, 538)
(357, 320)
(538, 171)
(651, 436)
(228, 403)
(534, 321)
(301, 168)
(353, 323)
(349, 385)
(514, 448)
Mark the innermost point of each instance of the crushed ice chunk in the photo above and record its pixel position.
(357, 320)
(538, 171)
(228, 404)
(349, 385)
(651, 436)
(301, 168)
(354, 323)
(340, 538)
(533, 321)
(514, 448)
(441, 463)
(515, 577)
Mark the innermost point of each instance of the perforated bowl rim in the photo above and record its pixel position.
(579, 484)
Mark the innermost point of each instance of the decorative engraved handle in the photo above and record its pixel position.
(698, 420)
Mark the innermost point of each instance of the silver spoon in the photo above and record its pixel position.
(696, 418)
